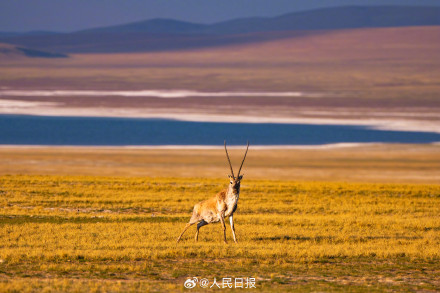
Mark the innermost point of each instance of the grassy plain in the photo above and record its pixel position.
(115, 231)
(83, 233)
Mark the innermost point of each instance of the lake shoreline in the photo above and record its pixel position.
(117, 131)
(105, 131)
(204, 147)
(391, 122)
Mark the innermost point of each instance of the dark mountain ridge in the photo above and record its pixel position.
(157, 25)
(319, 19)
(168, 34)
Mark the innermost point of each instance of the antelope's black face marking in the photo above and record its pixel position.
(235, 182)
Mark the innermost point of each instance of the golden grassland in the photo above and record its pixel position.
(94, 233)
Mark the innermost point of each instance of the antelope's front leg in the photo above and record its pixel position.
(222, 219)
(231, 221)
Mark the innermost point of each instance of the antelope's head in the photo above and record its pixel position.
(234, 182)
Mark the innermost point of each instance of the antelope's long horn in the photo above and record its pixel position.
(243, 158)
(230, 165)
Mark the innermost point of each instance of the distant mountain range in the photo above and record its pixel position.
(155, 26)
(167, 34)
(320, 19)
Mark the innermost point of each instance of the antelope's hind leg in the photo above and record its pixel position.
(199, 225)
(191, 222)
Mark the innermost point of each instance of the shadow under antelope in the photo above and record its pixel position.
(222, 205)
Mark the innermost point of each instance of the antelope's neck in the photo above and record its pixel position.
(231, 200)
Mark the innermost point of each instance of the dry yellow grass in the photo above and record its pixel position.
(76, 233)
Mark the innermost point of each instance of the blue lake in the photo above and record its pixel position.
(45, 130)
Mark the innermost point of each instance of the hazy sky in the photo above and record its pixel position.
(70, 15)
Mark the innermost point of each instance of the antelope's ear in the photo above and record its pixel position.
(229, 176)
(239, 177)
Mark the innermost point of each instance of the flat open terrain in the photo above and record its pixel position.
(368, 163)
(115, 229)
(361, 74)
(107, 234)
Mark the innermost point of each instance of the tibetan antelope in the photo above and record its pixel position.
(219, 207)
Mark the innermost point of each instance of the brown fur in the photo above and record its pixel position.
(208, 209)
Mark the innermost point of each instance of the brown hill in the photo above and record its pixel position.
(372, 74)
(362, 67)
